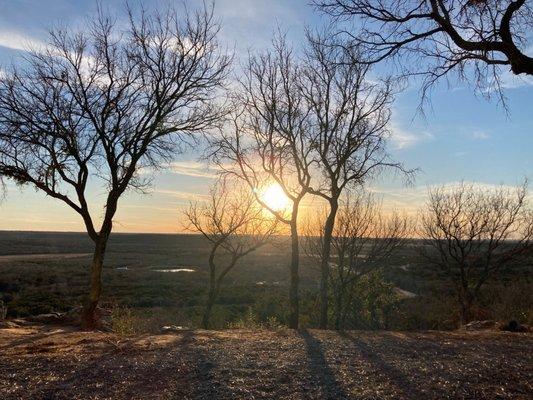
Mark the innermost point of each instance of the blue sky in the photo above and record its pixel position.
(461, 136)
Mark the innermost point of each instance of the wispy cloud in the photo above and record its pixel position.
(413, 199)
(479, 135)
(18, 41)
(192, 168)
(181, 195)
(185, 168)
(512, 81)
(403, 139)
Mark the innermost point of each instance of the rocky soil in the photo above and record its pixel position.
(53, 362)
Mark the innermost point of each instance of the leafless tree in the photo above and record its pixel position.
(267, 142)
(105, 103)
(363, 239)
(472, 233)
(235, 225)
(348, 118)
(435, 37)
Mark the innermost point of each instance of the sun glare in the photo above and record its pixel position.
(275, 198)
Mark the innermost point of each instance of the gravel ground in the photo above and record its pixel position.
(39, 362)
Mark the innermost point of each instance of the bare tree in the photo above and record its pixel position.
(348, 124)
(435, 37)
(363, 239)
(105, 103)
(235, 225)
(472, 233)
(267, 143)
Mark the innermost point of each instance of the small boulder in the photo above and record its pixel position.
(479, 325)
(172, 328)
(51, 318)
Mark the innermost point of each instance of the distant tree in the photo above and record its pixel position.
(105, 103)
(435, 37)
(235, 225)
(363, 240)
(267, 143)
(348, 116)
(473, 233)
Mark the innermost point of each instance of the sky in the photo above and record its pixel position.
(461, 136)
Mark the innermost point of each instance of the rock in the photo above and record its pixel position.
(50, 318)
(172, 328)
(479, 325)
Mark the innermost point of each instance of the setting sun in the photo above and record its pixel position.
(275, 198)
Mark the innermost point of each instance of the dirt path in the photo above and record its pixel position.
(57, 363)
(50, 256)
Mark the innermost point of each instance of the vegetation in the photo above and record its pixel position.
(473, 233)
(107, 104)
(258, 285)
(235, 226)
(103, 104)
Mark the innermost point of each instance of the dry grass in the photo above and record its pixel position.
(60, 363)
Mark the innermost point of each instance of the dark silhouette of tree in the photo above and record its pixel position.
(105, 103)
(312, 124)
(235, 225)
(435, 37)
(363, 240)
(348, 118)
(473, 233)
(267, 143)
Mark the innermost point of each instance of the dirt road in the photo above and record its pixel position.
(50, 256)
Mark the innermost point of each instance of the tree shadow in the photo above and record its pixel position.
(32, 338)
(398, 378)
(201, 379)
(320, 370)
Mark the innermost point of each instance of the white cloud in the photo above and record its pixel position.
(403, 139)
(413, 199)
(186, 168)
(17, 41)
(512, 81)
(192, 168)
(480, 135)
(180, 195)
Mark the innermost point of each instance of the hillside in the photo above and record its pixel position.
(38, 362)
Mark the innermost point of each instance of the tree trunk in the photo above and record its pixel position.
(466, 306)
(89, 317)
(324, 266)
(208, 307)
(294, 276)
(212, 289)
(338, 309)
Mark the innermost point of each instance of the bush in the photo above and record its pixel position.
(123, 321)
(367, 304)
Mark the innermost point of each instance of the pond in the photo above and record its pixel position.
(175, 270)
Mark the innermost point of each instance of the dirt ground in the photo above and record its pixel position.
(38, 362)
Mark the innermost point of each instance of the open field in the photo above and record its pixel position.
(164, 278)
(56, 363)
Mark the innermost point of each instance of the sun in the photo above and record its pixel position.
(274, 197)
